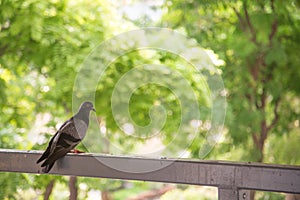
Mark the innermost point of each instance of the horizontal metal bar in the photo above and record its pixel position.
(225, 175)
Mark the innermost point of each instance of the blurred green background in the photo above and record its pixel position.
(254, 45)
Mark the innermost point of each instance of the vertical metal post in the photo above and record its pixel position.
(244, 194)
(227, 194)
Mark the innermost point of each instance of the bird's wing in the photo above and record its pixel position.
(62, 143)
(47, 152)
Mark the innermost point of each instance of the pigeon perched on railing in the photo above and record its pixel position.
(67, 137)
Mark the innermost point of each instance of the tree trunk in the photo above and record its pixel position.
(292, 197)
(105, 195)
(259, 141)
(73, 188)
(261, 74)
(49, 189)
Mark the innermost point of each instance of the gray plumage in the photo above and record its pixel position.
(67, 137)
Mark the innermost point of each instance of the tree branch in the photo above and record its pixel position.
(272, 5)
(242, 21)
(246, 24)
(255, 139)
(276, 115)
(274, 25)
(73, 188)
(251, 28)
(49, 189)
(3, 49)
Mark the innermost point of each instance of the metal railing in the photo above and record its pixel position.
(233, 179)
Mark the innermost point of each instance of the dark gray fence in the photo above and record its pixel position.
(234, 180)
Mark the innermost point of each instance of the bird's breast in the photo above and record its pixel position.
(81, 128)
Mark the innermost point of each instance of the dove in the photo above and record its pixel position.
(69, 135)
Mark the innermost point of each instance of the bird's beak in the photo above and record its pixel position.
(93, 109)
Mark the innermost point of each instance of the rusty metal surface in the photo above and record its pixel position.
(224, 175)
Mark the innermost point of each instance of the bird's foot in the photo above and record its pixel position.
(76, 151)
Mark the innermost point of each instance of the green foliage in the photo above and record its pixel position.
(8, 184)
(127, 193)
(190, 193)
(283, 149)
(43, 44)
(258, 41)
(146, 96)
(270, 195)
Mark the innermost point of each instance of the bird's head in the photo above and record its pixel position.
(88, 106)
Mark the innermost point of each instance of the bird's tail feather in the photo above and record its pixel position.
(40, 159)
(43, 156)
